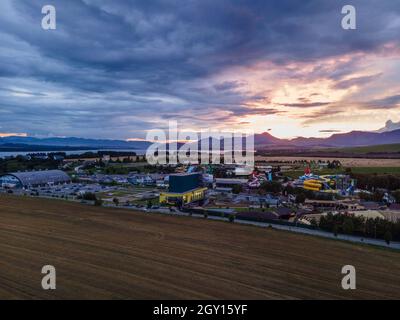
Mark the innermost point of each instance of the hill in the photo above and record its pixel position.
(121, 254)
(263, 140)
(14, 147)
(75, 142)
(353, 138)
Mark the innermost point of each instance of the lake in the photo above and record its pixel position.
(69, 152)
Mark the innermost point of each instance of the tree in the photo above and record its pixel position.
(388, 237)
(237, 188)
(396, 195)
(271, 186)
(300, 198)
(335, 230)
(314, 222)
(89, 196)
(116, 201)
(348, 226)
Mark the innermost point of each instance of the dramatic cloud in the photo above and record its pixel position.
(114, 69)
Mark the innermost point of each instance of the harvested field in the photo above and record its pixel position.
(346, 162)
(120, 254)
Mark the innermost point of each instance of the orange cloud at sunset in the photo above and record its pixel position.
(316, 98)
(3, 135)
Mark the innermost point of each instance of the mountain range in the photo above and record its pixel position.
(350, 139)
(73, 142)
(263, 140)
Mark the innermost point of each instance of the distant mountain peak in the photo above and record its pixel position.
(390, 126)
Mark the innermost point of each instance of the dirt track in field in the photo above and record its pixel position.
(119, 254)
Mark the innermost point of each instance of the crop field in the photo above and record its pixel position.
(383, 148)
(377, 170)
(109, 253)
(346, 162)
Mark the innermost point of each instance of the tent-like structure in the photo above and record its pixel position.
(35, 178)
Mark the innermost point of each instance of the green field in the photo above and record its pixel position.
(383, 148)
(294, 174)
(377, 170)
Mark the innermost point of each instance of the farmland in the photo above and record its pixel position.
(383, 148)
(115, 253)
(346, 162)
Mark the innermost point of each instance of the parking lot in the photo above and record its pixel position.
(125, 195)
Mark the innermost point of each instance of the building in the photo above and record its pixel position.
(34, 179)
(261, 200)
(184, 188)
(150, 179)
(371, 205)
(334, 204)
(285, 213)
(226, 185)
(243, 171)
(141, 179)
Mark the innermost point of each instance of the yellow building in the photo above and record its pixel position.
(183, 197)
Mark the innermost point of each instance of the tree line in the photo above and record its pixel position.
(377, 228)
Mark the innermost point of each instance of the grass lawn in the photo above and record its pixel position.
(154, 202)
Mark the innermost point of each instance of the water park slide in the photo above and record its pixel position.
(313, 185)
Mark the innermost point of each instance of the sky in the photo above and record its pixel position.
(115, 69)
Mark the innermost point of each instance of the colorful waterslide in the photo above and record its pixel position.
(313, 185)
(340, 183)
